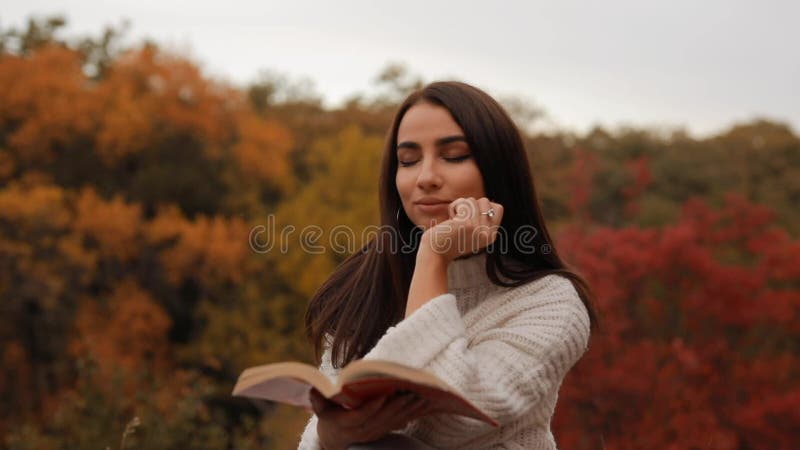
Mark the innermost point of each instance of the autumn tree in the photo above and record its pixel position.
(698, 347)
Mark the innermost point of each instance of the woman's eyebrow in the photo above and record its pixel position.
(439, 142)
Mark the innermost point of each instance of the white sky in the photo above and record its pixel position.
(703, 65)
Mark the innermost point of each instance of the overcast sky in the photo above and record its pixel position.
(703, 65)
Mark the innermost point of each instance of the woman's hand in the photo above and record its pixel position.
(467, 231)
(338, 428)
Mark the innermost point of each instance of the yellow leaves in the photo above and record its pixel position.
(114, 224)
(253, 326)
(341, 198)
(262, 150)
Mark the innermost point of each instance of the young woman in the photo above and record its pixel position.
(482, 299)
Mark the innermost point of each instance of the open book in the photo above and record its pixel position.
(291, 383)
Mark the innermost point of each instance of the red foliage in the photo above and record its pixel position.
(699, 331)
(640, 172)
(580, 181)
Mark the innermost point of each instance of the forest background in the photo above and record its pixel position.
(131, 295)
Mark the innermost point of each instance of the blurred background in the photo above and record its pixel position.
(141, 142)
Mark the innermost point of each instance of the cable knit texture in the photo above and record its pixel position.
(505, 349)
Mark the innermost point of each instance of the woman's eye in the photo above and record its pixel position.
(458, 158)
(451, 159)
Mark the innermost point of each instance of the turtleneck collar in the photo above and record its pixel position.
(467, 272)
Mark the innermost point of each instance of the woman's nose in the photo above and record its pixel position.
(429, 176)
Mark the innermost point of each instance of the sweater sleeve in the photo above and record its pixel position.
(539, 331)
(309, 439)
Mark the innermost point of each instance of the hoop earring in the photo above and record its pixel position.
(400, 233)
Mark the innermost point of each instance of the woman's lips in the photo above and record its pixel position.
(432, 208)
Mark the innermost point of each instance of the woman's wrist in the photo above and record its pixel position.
(428, 256)
(428, 253)
(429, 279)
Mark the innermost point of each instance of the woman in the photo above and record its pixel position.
(482, 299)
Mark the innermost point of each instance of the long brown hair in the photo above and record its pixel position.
(367, 293)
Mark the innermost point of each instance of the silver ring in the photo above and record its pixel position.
(489, 213)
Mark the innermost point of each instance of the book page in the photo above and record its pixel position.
(285, 390)
(287, 382)
(291, 383)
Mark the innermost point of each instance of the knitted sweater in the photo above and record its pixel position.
(505, 349)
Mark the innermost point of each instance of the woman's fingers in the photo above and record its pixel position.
(416, 409)
(498, 212)
(463, 208)
(484, 206)
(392, 408)
(349, 418)
(356, 417)
(485, 224)
(395, 414)
(483, 231)
(469, 229)
(318, 402)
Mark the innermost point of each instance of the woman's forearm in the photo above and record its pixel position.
(429, 279)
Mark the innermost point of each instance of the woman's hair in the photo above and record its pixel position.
(367, 293)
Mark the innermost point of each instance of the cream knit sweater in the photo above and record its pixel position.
(506, 349)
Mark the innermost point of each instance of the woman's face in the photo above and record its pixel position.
(434, 164)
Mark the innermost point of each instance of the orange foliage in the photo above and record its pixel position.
(147, 98)
(208, 248)
(15, 376)
(45, 98)
(263, 148)
(114, 225)
(149, 93)
(34, 207)
(85, 165)
(129, 331)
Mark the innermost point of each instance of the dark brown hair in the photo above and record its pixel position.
(367, 293)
